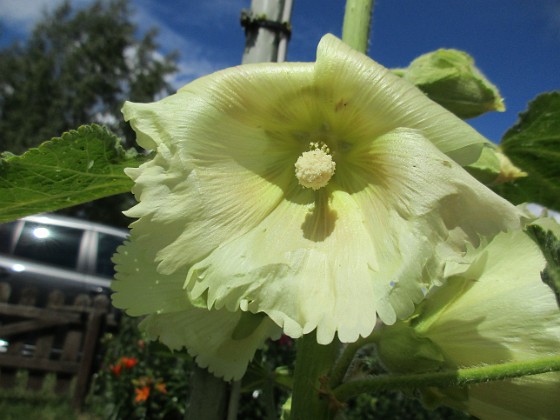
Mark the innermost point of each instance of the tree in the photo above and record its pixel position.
(78, 67)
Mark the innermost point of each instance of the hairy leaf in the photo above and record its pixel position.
(549, 243)
(82, 165)
(533, 145)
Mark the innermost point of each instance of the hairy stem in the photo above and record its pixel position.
(357, 24)
(448, 378)
(313, 364)
(345, 360)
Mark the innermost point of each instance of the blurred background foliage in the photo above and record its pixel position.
(141, 379)
(78, 67)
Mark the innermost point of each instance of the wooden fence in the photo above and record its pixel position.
(58, 339)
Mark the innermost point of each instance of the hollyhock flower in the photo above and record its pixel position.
(494, 308)
(307, 196)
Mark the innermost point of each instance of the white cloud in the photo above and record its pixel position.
(22, 12)
(194, 59)
(21, 15)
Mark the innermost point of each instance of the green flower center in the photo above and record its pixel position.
(315, 167)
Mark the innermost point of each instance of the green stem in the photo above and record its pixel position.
(270, 402)
(209, 396)
(357, 24)
(449, 378)
(233, 404)
(313, 364)
(345, 360)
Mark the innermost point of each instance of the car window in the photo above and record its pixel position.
(50, 244)
(106, 247)
(6, 232)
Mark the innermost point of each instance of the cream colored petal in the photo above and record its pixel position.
(530, 397)
(494, 309)
(304, 270)
(138, 288)
(201, 189)
(213, 337)
(371, 101)
(362, 246)
(507, 314)
(413, 179)
(209, 336)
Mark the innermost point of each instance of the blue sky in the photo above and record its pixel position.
(516, 43)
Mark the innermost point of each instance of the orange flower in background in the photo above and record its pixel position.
(116, 369)
(161, 387)
(142, 394)
(128, 362)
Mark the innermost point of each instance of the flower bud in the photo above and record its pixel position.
(403, 350)
(494, 167)
(450, 78)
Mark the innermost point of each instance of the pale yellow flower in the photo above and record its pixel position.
(320, 194)
(494, 308)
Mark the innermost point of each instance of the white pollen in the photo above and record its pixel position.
(314, 169)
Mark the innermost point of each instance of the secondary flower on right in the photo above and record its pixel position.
(494, 308)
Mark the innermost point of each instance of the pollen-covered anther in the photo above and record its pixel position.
(315, 168)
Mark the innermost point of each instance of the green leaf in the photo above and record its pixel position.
(533, 145)
(82, 165)
(545, 233)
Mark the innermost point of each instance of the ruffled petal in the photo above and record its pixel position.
(200, 188)
(210, 337)
(138, 288)
(220, 340)
(303, 275)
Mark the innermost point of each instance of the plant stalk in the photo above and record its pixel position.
(346, 358)
(313, 364)
(448, 378)
(357, 24)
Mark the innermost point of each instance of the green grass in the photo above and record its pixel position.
(19, 403)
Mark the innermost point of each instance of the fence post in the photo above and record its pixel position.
(95, 319)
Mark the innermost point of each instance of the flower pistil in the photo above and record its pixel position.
(315, 168)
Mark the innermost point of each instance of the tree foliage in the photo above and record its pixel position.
(77, 67)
